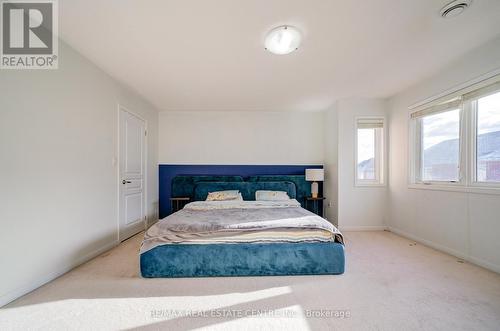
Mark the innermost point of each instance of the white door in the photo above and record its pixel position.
(131, 181)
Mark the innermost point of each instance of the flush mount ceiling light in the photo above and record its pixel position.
(283, 40)
(455, 8)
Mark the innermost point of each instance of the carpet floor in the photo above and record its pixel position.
(390, 283)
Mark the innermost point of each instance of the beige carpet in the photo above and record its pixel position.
(389, 284)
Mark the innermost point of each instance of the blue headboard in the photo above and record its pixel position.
(178, 180)
(247, 189)
(183, 186)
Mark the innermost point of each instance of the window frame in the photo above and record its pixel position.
(418, 151)
(472, 105)
(380, 153)
(467, 140)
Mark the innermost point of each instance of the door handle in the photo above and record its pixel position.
(126, 182)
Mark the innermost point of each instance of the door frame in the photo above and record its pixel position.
(118, 172)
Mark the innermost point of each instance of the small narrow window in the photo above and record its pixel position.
(369, 151)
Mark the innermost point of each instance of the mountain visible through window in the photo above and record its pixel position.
(488, 139)
(441, 146)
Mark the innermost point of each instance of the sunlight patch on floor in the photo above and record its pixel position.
(137, 312)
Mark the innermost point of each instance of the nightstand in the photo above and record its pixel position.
(316, 204)
(178, 203)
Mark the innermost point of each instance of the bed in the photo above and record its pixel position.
(242, 238)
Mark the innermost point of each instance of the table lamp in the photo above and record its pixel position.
(315, 176)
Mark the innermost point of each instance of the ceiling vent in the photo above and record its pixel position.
(455, 8)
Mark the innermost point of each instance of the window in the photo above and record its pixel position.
(439, 146)
(366, 154)
(456, 142)
(487, 138)
(369, 151)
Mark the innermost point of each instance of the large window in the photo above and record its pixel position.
(369, 151)
(456, 142)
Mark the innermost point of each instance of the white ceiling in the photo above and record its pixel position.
(209, 55)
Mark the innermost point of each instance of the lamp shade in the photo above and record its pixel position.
(315, 175)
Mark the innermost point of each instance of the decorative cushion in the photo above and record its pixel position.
(223, 195)
(271, 195)
(247, 189)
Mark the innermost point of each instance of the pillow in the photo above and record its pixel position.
(223, 195)
(271, 195)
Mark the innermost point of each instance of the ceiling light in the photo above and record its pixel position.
(283, 40)
(455, 8)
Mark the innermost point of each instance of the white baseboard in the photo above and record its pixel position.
(363, 228)
(484, 264)
(36, 283)
(427, 242)
(460, 255)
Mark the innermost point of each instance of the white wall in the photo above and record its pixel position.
(330, 185)
(464, 224)
(58, 137)
(227, 137)
(359, 208)
(283, 138)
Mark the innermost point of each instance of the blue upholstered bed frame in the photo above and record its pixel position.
(259, 259)
(246, 259)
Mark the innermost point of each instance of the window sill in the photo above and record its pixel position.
(369, 184)
(456, 188)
